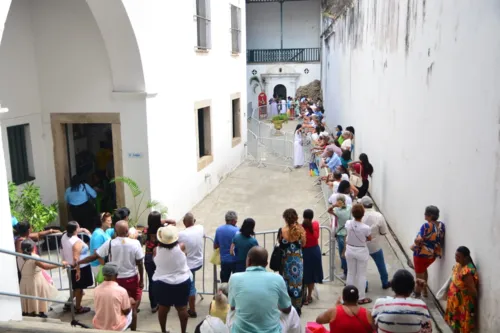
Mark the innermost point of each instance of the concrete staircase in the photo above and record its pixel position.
(43, 325)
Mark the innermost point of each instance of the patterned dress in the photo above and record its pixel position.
(293, 270)
(460, 308)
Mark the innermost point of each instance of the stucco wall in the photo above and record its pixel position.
(301, 25)
(215, 76)
(419, 81)
(53, 60)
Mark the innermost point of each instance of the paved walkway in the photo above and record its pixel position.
(263, 194)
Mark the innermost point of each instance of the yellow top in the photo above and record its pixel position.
(220, 313)
(102, 158)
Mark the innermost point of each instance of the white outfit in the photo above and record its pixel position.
(345, 177)
(357, 255)
(273, 110)
(315, 136)
(290, 323)
(346, 145)
(67, 249)
(298, 150)
(192, 238)
(124, 252)
(376, 222)
(335, 186)
(171, 266)
(283, 106)
(129, 319)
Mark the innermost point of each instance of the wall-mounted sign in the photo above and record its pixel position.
(134, 155)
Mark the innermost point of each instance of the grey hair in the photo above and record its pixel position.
(231, 216)
(224, 288)
(347, 132)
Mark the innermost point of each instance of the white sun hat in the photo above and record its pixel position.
(167, 235)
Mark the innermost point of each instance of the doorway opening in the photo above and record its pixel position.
(280, 91)
(90, 157)
(88, 144)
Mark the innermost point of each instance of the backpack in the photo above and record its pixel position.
(276, 263)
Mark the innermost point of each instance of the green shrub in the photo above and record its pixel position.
(26, 205)
(280, 117)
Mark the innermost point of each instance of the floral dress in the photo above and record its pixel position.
(461, 306)
(293, 270)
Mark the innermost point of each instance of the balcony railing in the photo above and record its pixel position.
(283, 55)
(261, 1)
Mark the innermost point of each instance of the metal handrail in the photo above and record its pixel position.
(330, 253)
(74, 322)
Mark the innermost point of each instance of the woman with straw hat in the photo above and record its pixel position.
(172, 278)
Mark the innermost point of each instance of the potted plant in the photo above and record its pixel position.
(138, 208)
(279, 120)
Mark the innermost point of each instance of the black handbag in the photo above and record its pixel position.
(276, 262)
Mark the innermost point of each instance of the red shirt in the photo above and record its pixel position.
(349, 323)
(359, 170)
(312, 237)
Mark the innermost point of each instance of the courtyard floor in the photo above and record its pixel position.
(263, 194)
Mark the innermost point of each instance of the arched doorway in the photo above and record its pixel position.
(280, 91)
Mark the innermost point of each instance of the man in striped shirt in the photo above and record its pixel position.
(402, 313)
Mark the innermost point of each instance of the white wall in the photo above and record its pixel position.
(421, 89)
(213, 75)
(10, 307)
(314, 73)
(301, 22)
(53, 60)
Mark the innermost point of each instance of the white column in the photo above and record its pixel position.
(10, 307)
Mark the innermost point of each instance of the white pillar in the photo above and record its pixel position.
(10, 307)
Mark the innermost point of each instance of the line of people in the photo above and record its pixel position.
(172, 257)
(349, 182)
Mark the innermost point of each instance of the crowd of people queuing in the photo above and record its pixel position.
(294, 106)
(250, 298)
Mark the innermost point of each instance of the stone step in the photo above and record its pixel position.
(35, 320)
(44, 325)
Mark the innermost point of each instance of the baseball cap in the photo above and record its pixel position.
(366, 201)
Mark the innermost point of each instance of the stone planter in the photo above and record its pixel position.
(278, 124)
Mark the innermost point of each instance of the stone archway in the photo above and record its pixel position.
(279, 91)
(118, 34)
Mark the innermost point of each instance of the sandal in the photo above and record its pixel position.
(192, 314)
(82, 310)
(305, 302)
(364, 301)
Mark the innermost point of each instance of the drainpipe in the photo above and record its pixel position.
(281, 14)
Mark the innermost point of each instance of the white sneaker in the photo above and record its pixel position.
(343, 277)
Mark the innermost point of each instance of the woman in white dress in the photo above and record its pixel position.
(298, 150)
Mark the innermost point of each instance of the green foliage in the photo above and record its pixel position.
(26, 205)
(255, 83)
(280, 117)
(139, 208)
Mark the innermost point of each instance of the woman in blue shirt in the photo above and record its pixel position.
(78, 196)
(99, 237)
(243, 241)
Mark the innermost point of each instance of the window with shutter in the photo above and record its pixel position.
(235, 29)
(20, 153)
(203, 23)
